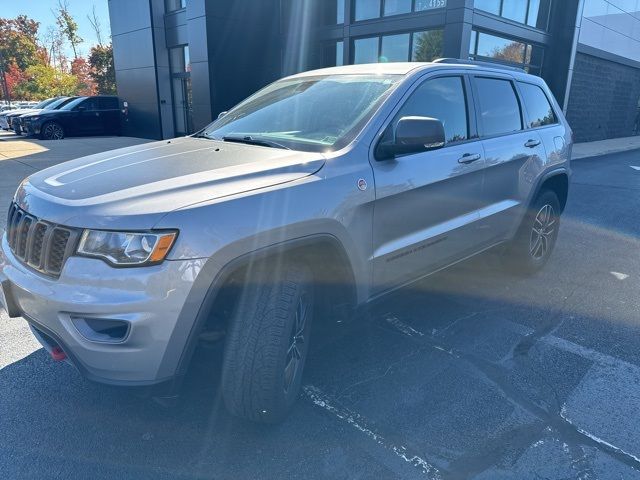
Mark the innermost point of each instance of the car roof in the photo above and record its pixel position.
(406, 68)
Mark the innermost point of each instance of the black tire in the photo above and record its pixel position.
(269, 329)
(52, 131)
(532, 246)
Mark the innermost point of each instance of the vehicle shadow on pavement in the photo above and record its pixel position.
(440, 369)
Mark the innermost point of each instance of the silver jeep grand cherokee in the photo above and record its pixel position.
(330, 187)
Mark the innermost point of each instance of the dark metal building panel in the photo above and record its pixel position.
(137, 86)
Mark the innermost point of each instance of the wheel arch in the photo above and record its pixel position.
(323, 252)
(558, 182)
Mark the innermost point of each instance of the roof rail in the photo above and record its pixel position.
(479, 63)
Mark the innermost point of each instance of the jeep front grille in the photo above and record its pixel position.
(39, 244)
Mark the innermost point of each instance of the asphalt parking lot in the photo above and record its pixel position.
(471, 373)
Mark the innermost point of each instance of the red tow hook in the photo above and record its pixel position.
(58, 354)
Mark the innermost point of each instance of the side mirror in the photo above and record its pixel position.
(222, 114)
(413, 135)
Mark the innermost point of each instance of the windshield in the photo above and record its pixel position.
(55, 104)
(72, 104)
(42, 104)
(322, 113)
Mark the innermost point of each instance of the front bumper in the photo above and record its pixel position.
(30, 128)
(150, 300)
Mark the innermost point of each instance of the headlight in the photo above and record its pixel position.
(126, 248)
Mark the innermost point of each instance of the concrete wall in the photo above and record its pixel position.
(604, 97)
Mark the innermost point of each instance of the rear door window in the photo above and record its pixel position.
(499, 107)
(539, 109)
(108, 103)
(90, 104)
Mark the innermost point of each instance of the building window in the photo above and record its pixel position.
(396, 7)
(426, 46)
(334, 12)
(333, 54)
(534, 13)
(415, 46)
(173, 5)
(485, 46)
(395, 48)
(369, 9)
(366, 50)
(180, 66)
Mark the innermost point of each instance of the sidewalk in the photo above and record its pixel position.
(602, 147)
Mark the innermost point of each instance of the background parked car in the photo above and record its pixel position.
(18, 122)
(6, 118)
(97, 115)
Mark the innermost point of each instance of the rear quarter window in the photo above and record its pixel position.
(538, 107)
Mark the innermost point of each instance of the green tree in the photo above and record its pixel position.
(44, 81)
(68, 26)
(102, 69)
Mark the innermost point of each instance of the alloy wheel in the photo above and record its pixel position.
(542, 232)
(53, 132)
(295, 351)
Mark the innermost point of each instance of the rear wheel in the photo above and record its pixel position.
(52, 131)
(533, 244)
(267, 343)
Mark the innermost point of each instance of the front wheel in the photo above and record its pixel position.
(533, 244)
(52, 131)
(267, 343)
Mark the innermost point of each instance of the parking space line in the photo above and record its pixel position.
(323, 401)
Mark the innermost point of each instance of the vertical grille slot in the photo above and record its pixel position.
(57, 250)
(43, 246)
(23, 236)
(37, 242)
(13, 228)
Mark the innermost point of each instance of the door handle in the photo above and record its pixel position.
(469, 158)
(532, 143)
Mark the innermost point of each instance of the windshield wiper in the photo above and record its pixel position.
(248, 139)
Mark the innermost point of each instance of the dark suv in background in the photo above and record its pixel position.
(16, 119)
(98, 115)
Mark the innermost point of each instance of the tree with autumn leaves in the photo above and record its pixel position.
(33, 65)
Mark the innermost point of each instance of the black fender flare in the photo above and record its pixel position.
(184, 348)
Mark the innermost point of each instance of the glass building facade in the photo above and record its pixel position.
(205, 55)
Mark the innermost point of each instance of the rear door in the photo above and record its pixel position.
(514, 154)
(427, 203)
(88, 119)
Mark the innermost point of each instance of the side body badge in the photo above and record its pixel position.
(362, 184)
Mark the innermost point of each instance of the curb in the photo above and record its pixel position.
(606, 152)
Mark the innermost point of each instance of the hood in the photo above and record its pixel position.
(15, 113)
(134, 187)
(33, 112)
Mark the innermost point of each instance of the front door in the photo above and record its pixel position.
(89, 117)
(427, 204)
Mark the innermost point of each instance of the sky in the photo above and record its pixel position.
(40, 10)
